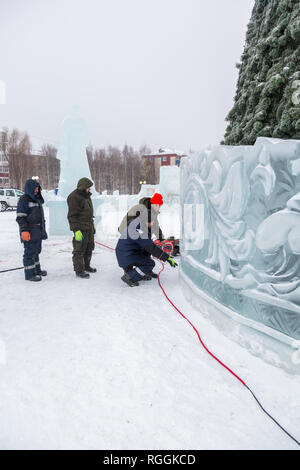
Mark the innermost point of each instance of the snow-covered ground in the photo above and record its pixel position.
(94, 364)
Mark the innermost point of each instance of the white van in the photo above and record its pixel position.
(9, 198)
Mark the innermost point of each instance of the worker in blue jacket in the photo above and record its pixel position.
(30, 217)
(134, 250)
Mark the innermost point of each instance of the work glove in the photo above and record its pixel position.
(78, 236)
(25, 236)
(172, 262)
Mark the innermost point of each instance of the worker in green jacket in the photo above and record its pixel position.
(81, 220)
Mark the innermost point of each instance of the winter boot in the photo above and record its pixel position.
(126, 278)
(35, 278)
(147, 277)
(88, 269)
(83, 275)
(153, 275)
(42, 273)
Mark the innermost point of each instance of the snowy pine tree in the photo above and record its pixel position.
(267, 100)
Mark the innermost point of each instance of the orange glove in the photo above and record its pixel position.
(25, 236)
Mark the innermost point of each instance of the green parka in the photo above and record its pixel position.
(81, 214)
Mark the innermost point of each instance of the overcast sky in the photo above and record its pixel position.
(160, 72)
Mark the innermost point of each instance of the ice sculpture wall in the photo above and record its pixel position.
(241, 243)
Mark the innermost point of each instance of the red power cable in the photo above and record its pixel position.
(113, 249)
(212, 355)
(221, 363)
(204, 346)
(195, 329)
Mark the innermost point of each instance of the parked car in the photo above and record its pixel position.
(9, 198)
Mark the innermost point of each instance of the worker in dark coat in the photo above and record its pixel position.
(145, 205)
(30, 217)
(134, 250)
(81, 221)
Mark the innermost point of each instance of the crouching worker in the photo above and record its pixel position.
(134, 250)
(30, 217)
(81, 220)
(145, 204)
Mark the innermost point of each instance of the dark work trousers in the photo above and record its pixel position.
(31, 260)
(82, 251)
(141, 265)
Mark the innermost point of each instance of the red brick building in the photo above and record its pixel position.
(164, 157)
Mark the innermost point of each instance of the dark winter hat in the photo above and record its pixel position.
(157, 199)
(84, 183)
(30, 186)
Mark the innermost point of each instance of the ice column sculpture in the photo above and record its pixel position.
(241, 243)
(74, 165)
(72, 153)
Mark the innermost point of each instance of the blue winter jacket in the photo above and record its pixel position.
(30, 213)
(135, 240)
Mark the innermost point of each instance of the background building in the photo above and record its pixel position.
(163, 157)
(4, 165)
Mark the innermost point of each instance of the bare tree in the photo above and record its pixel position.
(18, 147)
(49, 150)
(111, 168)
(24, 165)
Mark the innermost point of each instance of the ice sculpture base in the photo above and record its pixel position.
(58, 217)
(58, 211)
(272, 346)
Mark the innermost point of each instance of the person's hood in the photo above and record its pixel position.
(30, 186)
(145, 201)
(84, 183)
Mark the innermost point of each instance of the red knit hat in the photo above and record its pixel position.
(157, 199)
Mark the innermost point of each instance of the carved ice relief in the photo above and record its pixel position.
(252, 214)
